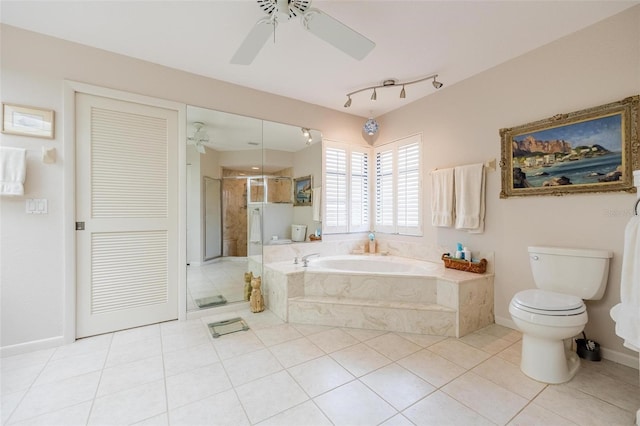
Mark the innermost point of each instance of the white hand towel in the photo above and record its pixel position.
(627, 313)
(469, 194)
(442, 197)
(255, 232)
(13, 170)
(316, 195)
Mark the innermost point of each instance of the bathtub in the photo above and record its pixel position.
(374, 265)
(379, 293)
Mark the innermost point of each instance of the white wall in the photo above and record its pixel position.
(460, 125)
(32, 247)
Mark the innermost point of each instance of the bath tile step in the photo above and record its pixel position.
(372, 303)
(373, 314)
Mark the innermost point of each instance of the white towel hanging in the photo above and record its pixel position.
(255, 232)
(13, 170)
(470, 195)
(442, 197)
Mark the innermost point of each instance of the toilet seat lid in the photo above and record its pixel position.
(550, 302)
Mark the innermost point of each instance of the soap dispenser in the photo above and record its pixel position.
(466, 254)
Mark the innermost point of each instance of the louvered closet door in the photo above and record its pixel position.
(126, 195)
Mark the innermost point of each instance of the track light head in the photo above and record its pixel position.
(348, 103)
(403, 94)
(374, 95)
(436, 83)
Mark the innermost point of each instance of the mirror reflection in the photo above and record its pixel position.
(240, 196)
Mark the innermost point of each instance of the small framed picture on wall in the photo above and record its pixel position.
(27, 121)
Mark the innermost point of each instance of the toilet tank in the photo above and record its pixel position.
(580, 272)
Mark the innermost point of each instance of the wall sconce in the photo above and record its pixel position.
(393, 83)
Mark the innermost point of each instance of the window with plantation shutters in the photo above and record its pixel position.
(335, 184)
(398, 187)
(346, 188)
(359, 213)
(385, 198)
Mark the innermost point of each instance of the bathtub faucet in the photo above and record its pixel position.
(305, 259)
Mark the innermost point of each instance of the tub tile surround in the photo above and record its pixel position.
(449, 303)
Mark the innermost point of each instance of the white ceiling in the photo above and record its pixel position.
(413, 39)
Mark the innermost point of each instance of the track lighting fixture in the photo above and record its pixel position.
(393, 83)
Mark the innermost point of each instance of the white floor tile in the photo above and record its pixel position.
(459, 353)
(234, 344)
(129, 406)
(71, 366)
(306, 413)
(255, 365)
(8, 403)
(270, 395)
(84, 346)
(76, 415)
(221, 409)
(354, 404)
(486, 342)
(393, 346)
(159, 420)
(535, 415)
(492, 401)
(125, 376)
(54, 396)
(333, 340)
(398, 420)
(188, 359)
(194, 385)
(19, 379)
(296, 352)
(440, 409)
(364, 335)
(620, 394)
(431, 367)
(320, 375)
(360, 359)
(581, 408)
(135, 350)
(509, 376)
(30, 359)
(398, 386)
(277, 334)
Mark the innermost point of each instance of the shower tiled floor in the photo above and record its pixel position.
(282, 374)
(224, 276)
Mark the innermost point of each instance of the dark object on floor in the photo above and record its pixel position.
(232, 325)
(588, 349)
(207, 302)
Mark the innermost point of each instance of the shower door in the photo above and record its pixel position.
(212, 218)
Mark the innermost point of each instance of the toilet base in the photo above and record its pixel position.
(548, 361)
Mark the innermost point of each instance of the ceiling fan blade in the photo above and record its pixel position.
(254, 41)
(337, 34)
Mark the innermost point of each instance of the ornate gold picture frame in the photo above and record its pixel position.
(593, 150)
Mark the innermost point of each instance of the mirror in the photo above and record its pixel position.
(240, 174)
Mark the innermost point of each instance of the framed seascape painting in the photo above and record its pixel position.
(593, 150)
(302, 191)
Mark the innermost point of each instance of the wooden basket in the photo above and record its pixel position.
(465, 265)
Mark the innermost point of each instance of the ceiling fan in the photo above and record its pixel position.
(315, 21)
(199, 138)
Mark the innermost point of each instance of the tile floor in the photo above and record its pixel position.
(223, 276)
(289, 374)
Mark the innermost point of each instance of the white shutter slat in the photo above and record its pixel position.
(128, 269)
(129, 178)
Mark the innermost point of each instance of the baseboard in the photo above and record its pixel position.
(610, 354)
(36, 345)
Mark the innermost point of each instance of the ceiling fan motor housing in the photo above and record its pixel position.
(294, 7)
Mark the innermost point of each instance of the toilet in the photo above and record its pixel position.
(555, 311)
